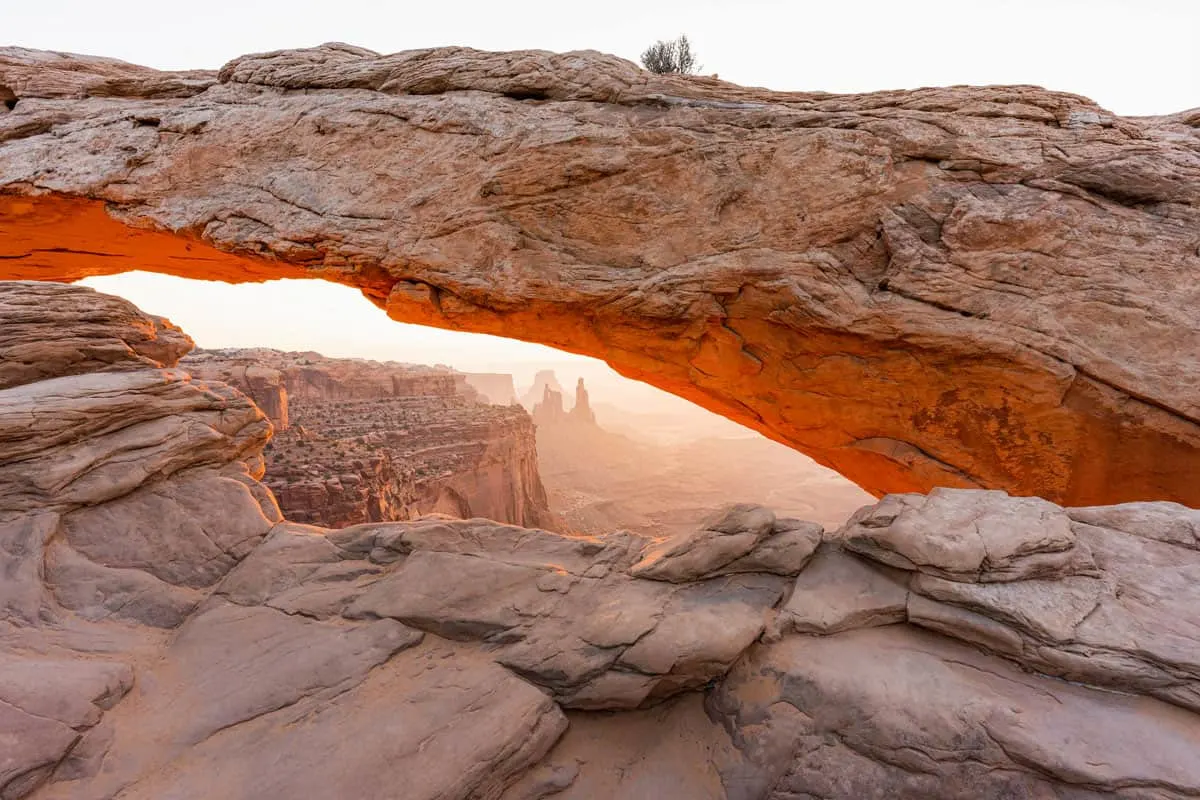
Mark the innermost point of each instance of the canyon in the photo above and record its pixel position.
(165, 632)
(972, 301)
(966, 287)
(362, 441)
(664, 475)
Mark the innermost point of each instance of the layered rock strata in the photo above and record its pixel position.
(971, 287)
(364, 441)
(163, 632)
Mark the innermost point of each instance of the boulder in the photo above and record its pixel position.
(838, 591)
(970, 536)
(740, 538)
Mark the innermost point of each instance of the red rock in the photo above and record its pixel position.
(382, 441)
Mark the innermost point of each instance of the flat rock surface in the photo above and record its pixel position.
(429, 725)
(980, 287)
(671, 750)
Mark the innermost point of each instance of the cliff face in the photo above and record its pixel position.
(972, 287)
(362, 441)
(497, 388)
(164, 633)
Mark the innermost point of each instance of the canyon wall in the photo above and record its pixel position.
(496, 387)
(165, 633)
(364, 441)
(971, 287)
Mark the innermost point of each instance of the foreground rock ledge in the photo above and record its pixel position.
(164, 633)
(970, 287)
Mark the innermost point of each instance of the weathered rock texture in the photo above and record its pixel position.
(164, 633)
(364, 441)
(970, 287)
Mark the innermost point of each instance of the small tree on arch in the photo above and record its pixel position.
(675, 57)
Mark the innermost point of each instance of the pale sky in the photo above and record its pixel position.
(1132, 56)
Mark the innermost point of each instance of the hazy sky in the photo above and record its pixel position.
(315, 315)
(1132, 56)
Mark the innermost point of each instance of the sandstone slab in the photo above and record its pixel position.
(50, 330)
(596, 637)
(84, 439)
(428, 725)
(969, 536)
(1104, 596)
(742, 538)
(896, 713)
(839, 591)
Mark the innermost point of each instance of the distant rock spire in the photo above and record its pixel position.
(534, 395)
(550, 410)
(582, 413)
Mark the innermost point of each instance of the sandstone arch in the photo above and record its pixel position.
(959, 287)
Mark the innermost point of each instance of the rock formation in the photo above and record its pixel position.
(972, 287)
(581, 413)
(545, 380)
(164, 633)
(373, 442)
(549, 412)
(598, 480)
(495, 387)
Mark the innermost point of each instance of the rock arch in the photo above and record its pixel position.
(958, 287)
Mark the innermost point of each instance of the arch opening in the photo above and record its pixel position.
(377, 420)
